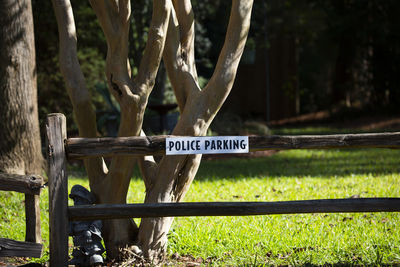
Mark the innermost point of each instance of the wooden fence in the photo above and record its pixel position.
(60, 148)
(30, 185)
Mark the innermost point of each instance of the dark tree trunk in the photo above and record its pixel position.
(343, 75)
(283, 77)
(20, 149)
(343, 79)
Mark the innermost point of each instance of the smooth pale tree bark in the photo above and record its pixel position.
(171, 37)
(20, 149)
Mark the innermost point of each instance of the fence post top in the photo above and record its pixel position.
(55, 115)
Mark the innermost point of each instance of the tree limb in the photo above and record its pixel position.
(114, 20)
(223, 77)
(179, 53)
(75, 83)
(154, 47)
(185, 15)
(148, 71)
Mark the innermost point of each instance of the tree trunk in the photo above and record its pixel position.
(342, 80)
(20, 149)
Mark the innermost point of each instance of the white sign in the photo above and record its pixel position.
(206, 145)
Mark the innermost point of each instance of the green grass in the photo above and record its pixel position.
(372, 238)
(366, 239)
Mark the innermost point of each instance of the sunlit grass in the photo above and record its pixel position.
(365, 238)
(371, 238)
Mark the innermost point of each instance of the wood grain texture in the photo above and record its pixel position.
(109, 146)
(20, 148)
(28, 184)
(114, 211)
(155, 145)
(12, 248)
(32, 218)
(367, 140)
(58, 189)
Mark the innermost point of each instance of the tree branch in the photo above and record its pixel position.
(179, 53)
(147, 72)
(154, 47)
(185, 15)
(114, 20)
(223, 77)
(71, 70)
(75, 83)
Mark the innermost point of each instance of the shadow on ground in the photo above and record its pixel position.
(297, 164)
(314, 163)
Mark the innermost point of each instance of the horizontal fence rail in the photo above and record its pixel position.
(12, 248)
(28, 184)
(153, 145)
(183, 209)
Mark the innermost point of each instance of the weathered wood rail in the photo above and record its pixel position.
(184, 209)
(12, 248)
(155, 145)
(76, 148)
(30, 185)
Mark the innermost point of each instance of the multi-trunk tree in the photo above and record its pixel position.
(171, 39)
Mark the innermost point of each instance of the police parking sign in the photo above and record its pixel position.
(206, 145)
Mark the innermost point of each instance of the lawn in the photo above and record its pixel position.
(365, 238)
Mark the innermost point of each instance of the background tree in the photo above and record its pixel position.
(20, 149)
(326, 74)
(171, 36)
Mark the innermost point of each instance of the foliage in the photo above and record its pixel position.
(368, 29)
(231, 124)
(141, 16)
(52, 95)
(348, 51)
(108, 119)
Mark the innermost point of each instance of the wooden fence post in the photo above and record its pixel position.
(58, 189)
(32, 218)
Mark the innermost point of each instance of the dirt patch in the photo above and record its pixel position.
(336, 119)
(305, 118)
(374, 123)
(173, 260)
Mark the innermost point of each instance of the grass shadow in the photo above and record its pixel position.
(292, 163)
(314, 163)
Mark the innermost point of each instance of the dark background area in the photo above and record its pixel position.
(302, 56)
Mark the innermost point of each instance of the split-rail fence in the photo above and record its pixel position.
(31, 186)
(61, 148)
